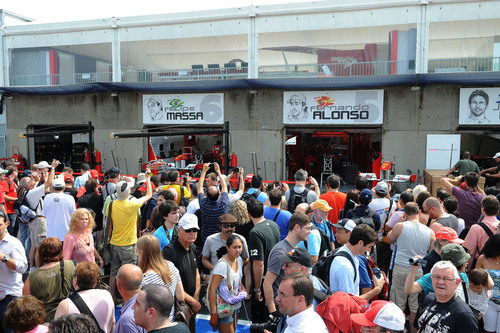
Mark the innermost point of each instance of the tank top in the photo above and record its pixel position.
(415, 239)
(495, 275)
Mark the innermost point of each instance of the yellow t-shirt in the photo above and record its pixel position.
(187, 194)
(124, 214)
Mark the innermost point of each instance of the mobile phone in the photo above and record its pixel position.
(376, 272)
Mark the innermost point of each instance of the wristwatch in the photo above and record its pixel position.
(6, 258)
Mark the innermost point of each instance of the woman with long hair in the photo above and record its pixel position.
(226, 290)
(79, 241)
(157, 270)
(239, 210)
(490, 261)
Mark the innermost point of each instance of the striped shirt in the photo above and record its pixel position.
(210, 212)
(155, 278)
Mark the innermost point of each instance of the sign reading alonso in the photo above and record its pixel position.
(183, 109)
(363, 107)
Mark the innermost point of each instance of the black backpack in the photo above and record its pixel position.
(296, 199)
(326, 244)
(368, 219)
(321, 268)
(247, 197)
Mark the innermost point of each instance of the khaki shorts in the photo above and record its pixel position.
(38, 230)
(398, 295)
(121, 255)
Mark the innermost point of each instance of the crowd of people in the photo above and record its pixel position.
(293, 258)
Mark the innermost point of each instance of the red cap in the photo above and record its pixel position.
(68, 178)
(448, 234)
(143, 188)
(248, 178)
(381, 313)
(94, 173)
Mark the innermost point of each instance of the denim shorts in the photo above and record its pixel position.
(229, 319)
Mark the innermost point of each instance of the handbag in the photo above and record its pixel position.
(104, 248)
(183, 312)
(225, 309)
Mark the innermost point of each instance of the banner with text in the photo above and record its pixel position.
(354, 107)
(479, 106)
(183, 109)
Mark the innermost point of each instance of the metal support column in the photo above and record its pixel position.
(226, 146)
(3, 69)
(253, 48)
(422, 59)
(115, 53)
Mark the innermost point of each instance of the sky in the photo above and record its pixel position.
(72, 10)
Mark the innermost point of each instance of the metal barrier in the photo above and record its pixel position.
(185, 74)
(486, 64)
(59, 79)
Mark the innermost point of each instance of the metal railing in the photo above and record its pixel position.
(451, 65)
(185, 74)
(337, 69)
(349, 69)
(59, 79)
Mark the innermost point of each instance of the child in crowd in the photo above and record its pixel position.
(480, 283)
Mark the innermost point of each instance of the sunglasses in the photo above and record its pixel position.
(190, 230)
(228, 225)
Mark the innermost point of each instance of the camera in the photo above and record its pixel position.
(416, 261)
(270, 325)
(376, 272)
(211, 166)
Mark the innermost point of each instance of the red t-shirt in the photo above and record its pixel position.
(9, 189)
(336, 200)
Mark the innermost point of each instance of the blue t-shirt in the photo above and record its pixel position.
(262, 197)
(364, 276)
(342, 274)
(326, 228)
(283, 219)
(162, 236)
(318, 286)
(313, 243)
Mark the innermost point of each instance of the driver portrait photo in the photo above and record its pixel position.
(478, 104)
(297, 111)
(154, 109)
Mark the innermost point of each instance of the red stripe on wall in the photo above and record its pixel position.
(53, 67)
(394, 52)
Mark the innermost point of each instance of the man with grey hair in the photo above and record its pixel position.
(299, 193)
(443, 311)
(433, 207)
(128, 283)
(123, 227)
(152, 309)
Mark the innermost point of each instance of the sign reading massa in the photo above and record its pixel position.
(355, 107)
(183, 109)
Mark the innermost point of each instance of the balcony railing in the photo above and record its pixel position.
(59, 79)
(347, 69)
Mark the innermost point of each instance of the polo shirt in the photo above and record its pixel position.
(185, 261)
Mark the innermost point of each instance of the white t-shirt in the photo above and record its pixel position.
(221, 269)
(57, 209)
(34, 198)
(193, 206)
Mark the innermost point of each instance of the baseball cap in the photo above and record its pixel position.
(382, 313)
(365, 196)
(25, 173)
(188, 221)
(113, 172)
(248, 178)
(143, 187)
(448, 234)
(321, 204)
(346, 224)
(43, 165)
(298, 255)
(497, 155)
(68, 178)
(3, 171)
(227, 218)
(381, 189)
(454, 253)
(58, 183)
(141, 178)
(94, 173)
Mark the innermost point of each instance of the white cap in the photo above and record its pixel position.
(3, 171)
(141, 178)
(346, 224)
(43, 165)
(497, 155)
(123, 189)
(382, 313)
(188, 221)
(59, 183)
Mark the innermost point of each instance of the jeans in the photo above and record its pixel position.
(13, 227)
(3, 307)
(24, 237)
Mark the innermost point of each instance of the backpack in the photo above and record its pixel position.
(480, 251)
(22, 208)
(326, 245)
(184, 200)
(384, 294)
(321, 268)
(296, 199)
(247, 197)
(368, 219)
